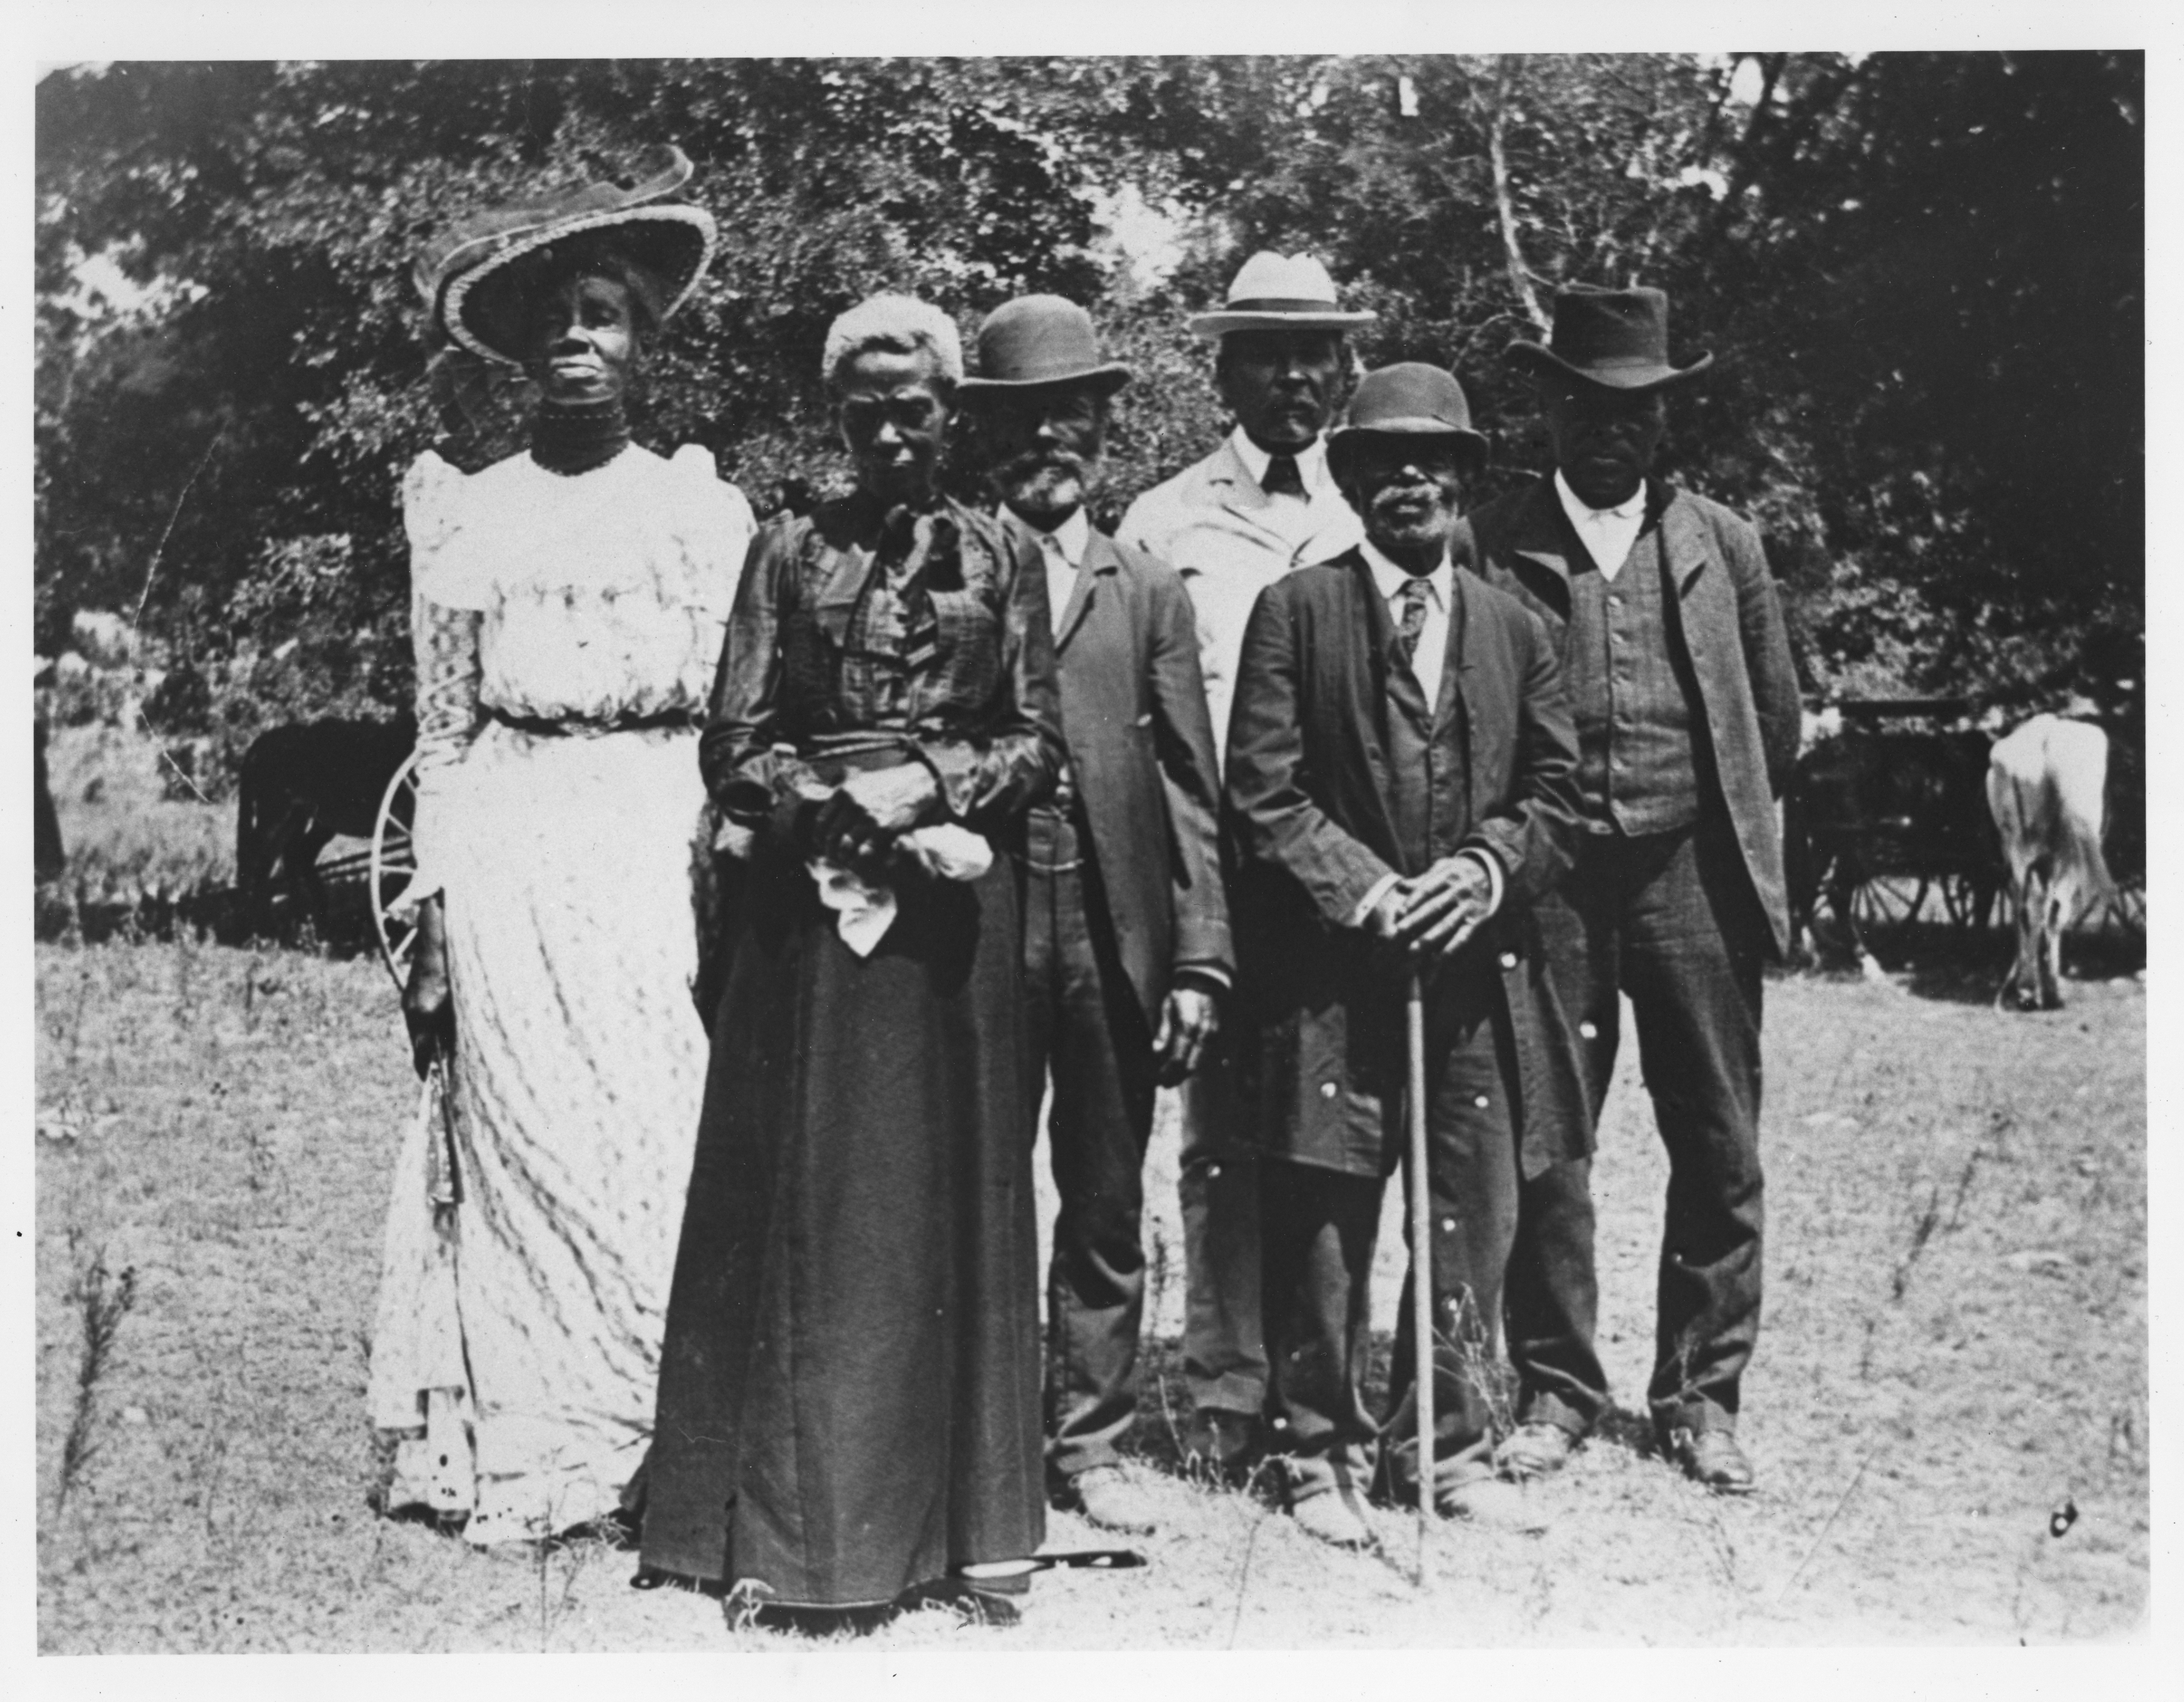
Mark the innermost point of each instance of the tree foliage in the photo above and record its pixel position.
(1921, 275)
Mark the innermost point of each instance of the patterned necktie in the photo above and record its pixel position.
(1413, 624)
(1283, 479)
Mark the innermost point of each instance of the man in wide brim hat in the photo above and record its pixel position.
(1671, 633)
(474, 278)
(1617, 339)
(1233, 522)
(1127, 950)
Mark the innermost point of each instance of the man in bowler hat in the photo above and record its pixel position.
(1400, 780)
(1261, 503)
(1126, 925)
(1672, 635)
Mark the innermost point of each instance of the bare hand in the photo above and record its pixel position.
(428, 1008)
(1189, 1021)
(1444, 907)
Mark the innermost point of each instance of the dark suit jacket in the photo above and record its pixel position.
(1307, 795)
(1141, 755)
(1728, 618)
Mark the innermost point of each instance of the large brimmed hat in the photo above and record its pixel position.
(1409, 399)
(1615, 338)
(468, 276)
(1034, 341)
(1279, 293)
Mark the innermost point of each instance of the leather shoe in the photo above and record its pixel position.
(1534, 1450)
(1335, 1516)
(1713, 1458)
(1107, 1497)
(1222, 1443)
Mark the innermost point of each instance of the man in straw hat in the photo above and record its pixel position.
(1231, 524)
(1126, 925)
(1399, 782)
(1686, 707)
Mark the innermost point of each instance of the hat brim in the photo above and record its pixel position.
(1215, 325)
(674, 240)
(1104, 380)
(1343, 442)
(1638, 377)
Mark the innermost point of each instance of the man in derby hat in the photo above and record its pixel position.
(1671, 632)
(1126, 929)
(1232, 524)
(1400, 780)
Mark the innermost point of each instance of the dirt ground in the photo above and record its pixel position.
(1948, 1409)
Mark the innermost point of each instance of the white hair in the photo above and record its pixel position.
(901, 324)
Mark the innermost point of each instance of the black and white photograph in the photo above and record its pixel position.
(914, 850)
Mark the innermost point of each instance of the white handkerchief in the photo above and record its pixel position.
(867, 910)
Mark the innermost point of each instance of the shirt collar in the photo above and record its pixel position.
(1392, 578)
(1073, 535)
(1582, 513)
(1311, 461)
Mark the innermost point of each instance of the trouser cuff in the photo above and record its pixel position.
(1693, 1414)
(1550, 1409)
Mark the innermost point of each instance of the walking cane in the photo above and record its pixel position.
(1422, 1356)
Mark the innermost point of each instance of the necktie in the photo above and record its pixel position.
(1413, 620)
(1283, 479)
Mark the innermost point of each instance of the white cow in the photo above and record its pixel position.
(2045, 783)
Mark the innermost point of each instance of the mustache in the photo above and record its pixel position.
(1032, 461)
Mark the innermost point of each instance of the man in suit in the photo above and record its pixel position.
(1400, 783)
(1671, 632)
(1126, 929)
(1232, 524)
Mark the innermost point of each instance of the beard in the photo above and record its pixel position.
(1403, 515)
(1044, 482)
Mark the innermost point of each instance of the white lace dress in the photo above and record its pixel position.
(567, 629)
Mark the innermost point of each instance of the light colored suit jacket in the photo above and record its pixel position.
(1230, 540)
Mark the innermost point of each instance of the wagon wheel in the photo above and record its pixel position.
(1887, 901)
(393, 862)
(1967, 900)
(2128, 908)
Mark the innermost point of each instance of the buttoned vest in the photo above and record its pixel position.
(1631, 692)
(1430, 780)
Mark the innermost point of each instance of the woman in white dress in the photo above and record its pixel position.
(568, 606)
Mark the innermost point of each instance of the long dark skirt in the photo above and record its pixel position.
(849, 1392)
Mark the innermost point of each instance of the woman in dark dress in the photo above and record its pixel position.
(849, 1404)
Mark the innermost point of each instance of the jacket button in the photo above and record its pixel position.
(1508, 959)
(1327, 1090)
(1482, 1101)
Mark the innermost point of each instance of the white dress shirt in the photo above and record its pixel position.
(1607, 533)
(1432, 653)
(1312, 467)
(1063, 550)
(1427, 662)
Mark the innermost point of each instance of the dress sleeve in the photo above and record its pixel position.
(446, 642)
(750, 773)
(985, 781)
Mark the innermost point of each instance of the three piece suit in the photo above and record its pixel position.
(1123, 895)
(1686, 707)
(1339, 773)
(1229, 537)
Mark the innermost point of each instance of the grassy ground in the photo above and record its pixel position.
(1954, 1351)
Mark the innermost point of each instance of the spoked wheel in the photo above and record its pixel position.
(393, 864)
(1888, 901)
(1967, 900)
(2128, 907)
